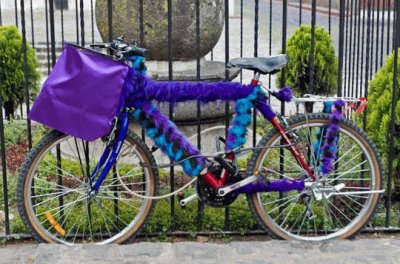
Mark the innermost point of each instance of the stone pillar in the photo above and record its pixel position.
(126, 22)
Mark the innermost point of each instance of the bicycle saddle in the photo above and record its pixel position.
(263, 65)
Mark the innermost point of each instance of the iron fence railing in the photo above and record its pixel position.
(364, 33)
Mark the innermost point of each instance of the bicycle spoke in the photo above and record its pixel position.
(283, 204)
(352, 172)
(105, 218)
(48, 200)
(119, 199)
(287, 215)
(344, 155)
(79, 156)
(346, 172)
(67, 174)
(62, 206)
(347, 162)
(302, 216)
(337, 209)
(302, 221)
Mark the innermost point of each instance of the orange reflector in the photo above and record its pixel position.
(54, 223)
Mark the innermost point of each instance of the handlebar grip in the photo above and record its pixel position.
(139, 51)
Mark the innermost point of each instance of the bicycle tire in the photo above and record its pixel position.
(283, 215)
(110, 216)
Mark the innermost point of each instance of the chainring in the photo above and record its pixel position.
(210, 196)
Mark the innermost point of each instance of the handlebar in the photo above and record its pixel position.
(120, 49)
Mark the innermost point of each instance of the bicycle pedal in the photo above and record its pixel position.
(183, 201)
(181, 197)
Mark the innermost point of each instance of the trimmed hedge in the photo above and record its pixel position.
(298, 69)
(379, 111)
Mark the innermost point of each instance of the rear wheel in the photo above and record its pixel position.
(53, 191)
(335, 206)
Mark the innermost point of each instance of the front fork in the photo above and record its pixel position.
(110, 154)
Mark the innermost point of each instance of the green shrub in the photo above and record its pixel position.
(379, 111)
(14, 133)
(298, 69)
(12, 75)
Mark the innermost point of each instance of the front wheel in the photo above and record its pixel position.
(54, 198)
(337, 205)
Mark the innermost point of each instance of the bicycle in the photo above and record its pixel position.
(313, 177)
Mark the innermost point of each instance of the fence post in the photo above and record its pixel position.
(367, 58)
(82, 23)
(393, 114)
(227, 79)
(313, 21)
(200, 205)
(32, 25)
(1, 18)
(4, 168)
(24, 50)
(16, 12)
(171, 109)
(52, 34)
(256, 11)
(341, 43)
(110, 20)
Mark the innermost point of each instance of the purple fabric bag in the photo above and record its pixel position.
(82, 94)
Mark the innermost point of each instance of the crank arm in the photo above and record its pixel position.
(225, 190)
(185, 201)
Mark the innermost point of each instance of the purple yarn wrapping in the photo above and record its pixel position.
(282, 185)
(265, 109)
(329, 148)
(285, 94)
(145, 89)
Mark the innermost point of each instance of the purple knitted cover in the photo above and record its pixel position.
(82, 94)
(145, 89)
(165, 134)
(275, 185)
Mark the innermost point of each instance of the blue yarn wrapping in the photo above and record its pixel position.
(237, 133)
(168, 138)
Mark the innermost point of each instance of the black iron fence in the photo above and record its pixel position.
(364, 33)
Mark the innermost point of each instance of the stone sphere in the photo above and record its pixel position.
(126, 22)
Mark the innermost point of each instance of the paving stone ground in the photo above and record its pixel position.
(340, 251)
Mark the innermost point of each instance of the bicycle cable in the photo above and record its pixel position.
(156, 197)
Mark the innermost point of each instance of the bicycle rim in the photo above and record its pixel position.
(56, 200)
(303, 216)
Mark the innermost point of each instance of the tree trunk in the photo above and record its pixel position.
(9, 109)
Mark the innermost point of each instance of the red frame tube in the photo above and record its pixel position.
(215, 183)
(292, 149)
(211, 180)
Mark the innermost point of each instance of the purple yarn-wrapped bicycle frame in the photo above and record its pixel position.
(86, 90)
